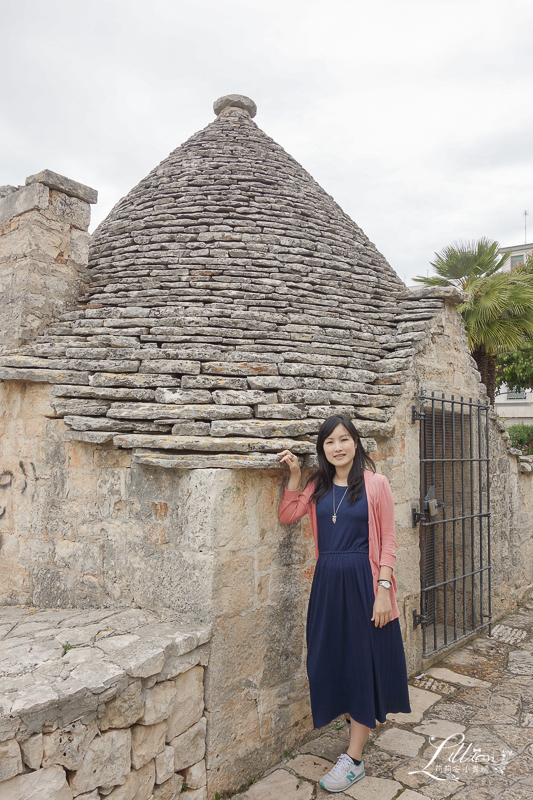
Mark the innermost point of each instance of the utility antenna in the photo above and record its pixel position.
(525, 226)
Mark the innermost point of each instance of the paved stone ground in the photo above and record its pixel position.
(481, 694)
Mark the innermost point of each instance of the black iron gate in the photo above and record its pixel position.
(454, 518)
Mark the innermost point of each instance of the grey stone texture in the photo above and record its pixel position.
(229, 283)
(10, 760)
(43, 259)
(235, 101)
(226, 270)
(64, 185)
(80, 732)
(32, 751)
(7, 189)
(22, 200)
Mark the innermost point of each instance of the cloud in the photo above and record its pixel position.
(415, 116)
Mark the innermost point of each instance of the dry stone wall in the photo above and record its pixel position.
(101, 704)
(84, 526)
(444, 365)
(232, 306)
(81, 528)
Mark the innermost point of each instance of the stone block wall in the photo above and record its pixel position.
(44, 247)
(83, 526)
(101, 704)
(444, 365)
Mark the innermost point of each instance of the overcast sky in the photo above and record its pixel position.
(416, 115)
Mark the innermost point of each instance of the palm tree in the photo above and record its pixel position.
(498, 313)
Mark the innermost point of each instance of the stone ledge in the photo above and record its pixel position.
(58, 665)
(213, 444)
(210, 461)
(65, 185)
(434, 292)
(43, 375)
(106, 702)
(26, 199)
(525, 463)
(94, 437)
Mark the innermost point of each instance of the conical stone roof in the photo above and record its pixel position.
(232, 307)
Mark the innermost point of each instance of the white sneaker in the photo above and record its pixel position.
(343, 774)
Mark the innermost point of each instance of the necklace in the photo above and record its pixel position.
(334, 517)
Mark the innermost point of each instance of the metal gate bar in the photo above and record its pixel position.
(443, 597)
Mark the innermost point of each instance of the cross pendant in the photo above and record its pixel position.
(334, 518)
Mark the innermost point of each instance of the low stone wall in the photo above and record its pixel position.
(101, 703)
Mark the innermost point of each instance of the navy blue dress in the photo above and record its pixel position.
(352, 665)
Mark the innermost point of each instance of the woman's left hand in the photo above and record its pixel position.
(382, 611)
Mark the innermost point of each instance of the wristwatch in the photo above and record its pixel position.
(384, 583)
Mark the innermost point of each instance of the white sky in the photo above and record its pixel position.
(416, 115)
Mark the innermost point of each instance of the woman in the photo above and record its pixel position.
(355, 656)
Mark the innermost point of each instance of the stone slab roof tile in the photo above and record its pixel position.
(229, 296)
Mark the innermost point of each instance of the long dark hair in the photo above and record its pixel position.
(323, 476)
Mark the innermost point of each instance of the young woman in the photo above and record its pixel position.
(355, 656)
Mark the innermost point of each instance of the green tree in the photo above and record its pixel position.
(498, 313)
(522, 437)
(515, 369)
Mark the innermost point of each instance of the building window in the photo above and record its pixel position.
(516, 395)
(517, 260)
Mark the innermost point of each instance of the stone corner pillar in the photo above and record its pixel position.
(44, 247)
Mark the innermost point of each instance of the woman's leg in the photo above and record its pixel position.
(358, 736)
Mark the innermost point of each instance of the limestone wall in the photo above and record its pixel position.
(44, 247)
(103, 703)
(83, 527)
(444, 365)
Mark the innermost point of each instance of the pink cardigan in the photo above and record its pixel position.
(381, 532)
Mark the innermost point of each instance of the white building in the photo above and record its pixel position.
(515, 407)
(519, 253)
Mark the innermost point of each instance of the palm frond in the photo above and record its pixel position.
(499, 312)
(433, 281)
(462, 262)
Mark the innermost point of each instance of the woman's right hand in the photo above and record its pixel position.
(292, 462)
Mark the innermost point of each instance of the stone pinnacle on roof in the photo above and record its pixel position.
(235, 101)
